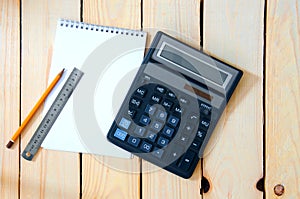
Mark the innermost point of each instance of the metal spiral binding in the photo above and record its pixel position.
(99, 28)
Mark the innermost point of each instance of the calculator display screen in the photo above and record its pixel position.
(191, 63)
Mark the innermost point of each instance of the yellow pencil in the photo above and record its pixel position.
(34, 109)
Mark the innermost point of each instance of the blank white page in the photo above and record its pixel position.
(109, 58)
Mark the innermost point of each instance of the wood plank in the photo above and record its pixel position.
(107, 177)
(51, 174)
(282, 98)
(182, 20)
(233, 31)
(9, 96)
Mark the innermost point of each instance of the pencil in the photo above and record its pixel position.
(34, 109)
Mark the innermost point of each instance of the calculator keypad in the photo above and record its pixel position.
(159, 124)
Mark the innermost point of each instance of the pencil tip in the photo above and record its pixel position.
(9, 144)
(62, 71)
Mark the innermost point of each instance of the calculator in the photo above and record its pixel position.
(173, 105)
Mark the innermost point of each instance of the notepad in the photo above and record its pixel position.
(109, 58)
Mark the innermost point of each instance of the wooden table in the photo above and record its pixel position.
(258, 136)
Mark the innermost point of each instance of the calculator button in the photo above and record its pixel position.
(161, 115)
(183, 100)
(146, 147)
(156, 126)
(145, 120)
(140, 131)
(135, 102)
(195, 145)
(150, 109)
(173, 121)
(168, 131)
(175, 153)
(205, 108)
(183, 139)
(158, 152)
(204, 124)
(193, 117)
(124, 123)
(187, 160)
(141, 92)
(201, 134)
(167, 104)
(171, 95)
(162, 141)
(178, 109)
(133, 141)
(188, 128)
(156, 99)
(160, 89)
(131, 113)
(151, 136)
(121, 135)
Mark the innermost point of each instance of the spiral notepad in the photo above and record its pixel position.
(109, 58)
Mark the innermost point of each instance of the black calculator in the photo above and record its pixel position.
(173, 105)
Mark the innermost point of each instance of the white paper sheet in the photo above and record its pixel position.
(109, 60)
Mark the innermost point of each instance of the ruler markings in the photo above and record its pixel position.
(52, 114)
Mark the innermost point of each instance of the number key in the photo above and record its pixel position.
(146, 147)
(144, 120)
(173, 121)
(168, 131)
(133, 141)
(151, 136)
(162, 141)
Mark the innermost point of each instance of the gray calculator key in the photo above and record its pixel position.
(139, 131)
(125, 123)
(161, 115)
(151, 136)
(158, 152)
(156, 126)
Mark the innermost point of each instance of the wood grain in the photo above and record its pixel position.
(51, 174)
(282, 98)
(9, 96)
(182, 20)
(233, 31)
(107, 177)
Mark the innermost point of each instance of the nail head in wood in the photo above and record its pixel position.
(279, 190)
